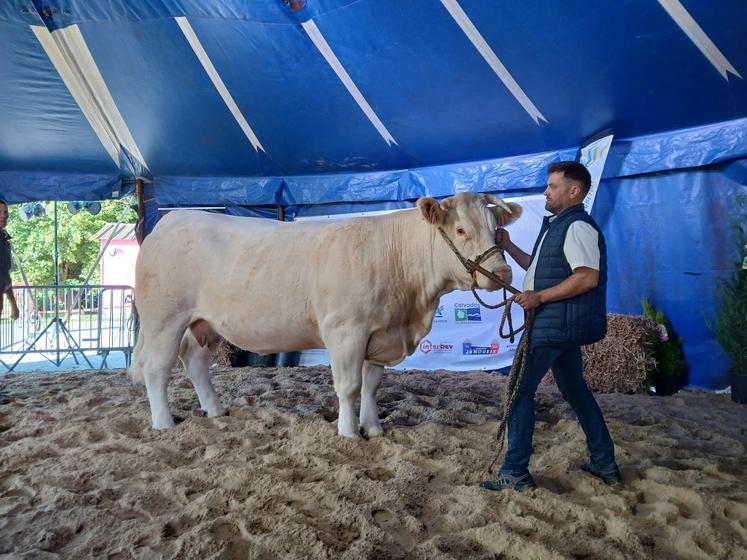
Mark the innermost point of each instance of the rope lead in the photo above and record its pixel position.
(512, 387)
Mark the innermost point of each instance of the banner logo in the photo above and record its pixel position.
(594, 156)
(469, 350)
(439, 316)
(467, 313)
(427, 346)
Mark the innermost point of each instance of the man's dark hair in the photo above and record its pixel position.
(3, 201)
(574, 171)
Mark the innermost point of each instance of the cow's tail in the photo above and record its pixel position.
(136, 367)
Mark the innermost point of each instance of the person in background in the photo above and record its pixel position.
(6, 285)
(566, 285)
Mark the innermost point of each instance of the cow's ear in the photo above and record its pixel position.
(505, 212)
(504, 218)
(432, 211)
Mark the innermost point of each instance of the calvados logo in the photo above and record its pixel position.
(469, 350)
(439, 316)
(467, 313)
(427, 346)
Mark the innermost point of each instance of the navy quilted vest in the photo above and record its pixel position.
(578, 320)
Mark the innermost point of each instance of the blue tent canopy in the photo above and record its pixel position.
(429, 94)
(346, 103)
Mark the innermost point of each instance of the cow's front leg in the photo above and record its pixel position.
(372, 375)
(347, 362)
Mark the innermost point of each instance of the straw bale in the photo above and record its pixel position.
(621, 362)
(222, 355)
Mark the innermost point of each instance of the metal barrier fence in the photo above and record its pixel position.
(58, 321)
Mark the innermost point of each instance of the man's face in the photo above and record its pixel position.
(3, 216)
(560, 193)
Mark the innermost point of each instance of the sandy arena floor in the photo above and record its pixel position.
(82, 475)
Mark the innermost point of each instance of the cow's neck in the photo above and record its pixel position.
(428, 262)
(420, 268)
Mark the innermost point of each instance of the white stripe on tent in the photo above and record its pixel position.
(207, 64)
(490, 57)
(70, 56)
(696, 34)
(321, 43)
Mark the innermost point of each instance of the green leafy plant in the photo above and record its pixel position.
(730, 328)
(33, 242)
(670, 360)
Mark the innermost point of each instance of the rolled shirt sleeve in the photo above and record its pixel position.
(581, 247)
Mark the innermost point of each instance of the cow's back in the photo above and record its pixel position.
(187, 244)
(227, 270)
(266, 285)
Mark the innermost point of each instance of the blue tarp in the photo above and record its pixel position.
(349, 105)
(584, 67)
(669, 239)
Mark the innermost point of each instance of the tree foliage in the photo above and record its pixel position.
(730, 328)
(668, 353)
(33, 241)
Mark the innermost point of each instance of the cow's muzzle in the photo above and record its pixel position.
(503, 273)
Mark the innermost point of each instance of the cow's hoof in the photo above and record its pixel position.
(353, 435)
(218, 412)
(374, 431)
(164, 425)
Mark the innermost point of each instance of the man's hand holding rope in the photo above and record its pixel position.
(529, 300)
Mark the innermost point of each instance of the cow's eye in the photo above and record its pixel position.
(460, 231)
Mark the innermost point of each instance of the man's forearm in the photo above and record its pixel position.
(576, 284)
(521, 258)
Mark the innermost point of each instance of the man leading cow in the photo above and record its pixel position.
(565, 284)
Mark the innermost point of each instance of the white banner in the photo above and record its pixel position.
(594, 156)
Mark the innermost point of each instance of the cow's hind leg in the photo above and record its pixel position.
(196, 360)
(372, 375)
(347, 361)
(160, 351)
(157, 373)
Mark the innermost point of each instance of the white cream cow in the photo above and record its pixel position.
(366, 289)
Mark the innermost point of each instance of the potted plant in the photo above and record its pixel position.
(670, 361)
(730, 328)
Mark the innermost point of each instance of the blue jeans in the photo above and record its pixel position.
(567, 370)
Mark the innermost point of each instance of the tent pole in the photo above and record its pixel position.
(140, 224)
(56, 287)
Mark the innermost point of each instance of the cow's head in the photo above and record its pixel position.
(470, 221)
